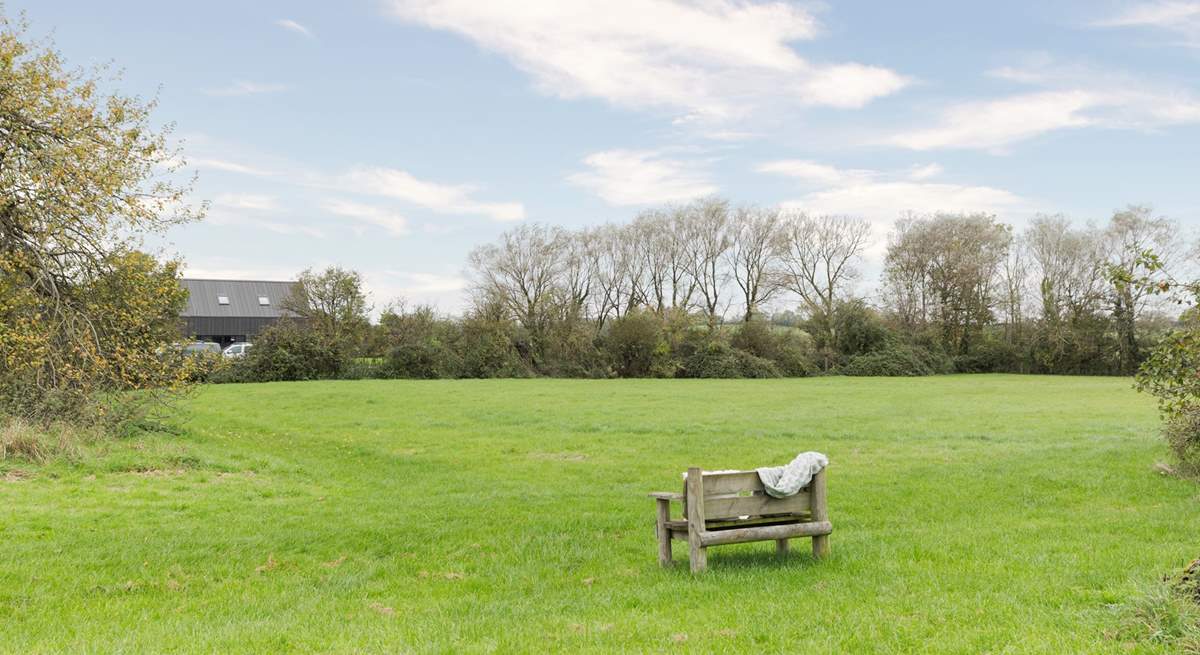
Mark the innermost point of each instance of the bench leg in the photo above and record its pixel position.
(698, 556)
(781, 547)
(664, 534)
(821, 546)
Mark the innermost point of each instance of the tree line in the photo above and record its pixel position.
(687, 291)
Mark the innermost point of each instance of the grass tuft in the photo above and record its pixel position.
(1163, 614)
(22, 440)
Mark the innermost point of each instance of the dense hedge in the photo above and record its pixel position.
(418, 344)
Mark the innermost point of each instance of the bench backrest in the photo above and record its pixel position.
(729, 496)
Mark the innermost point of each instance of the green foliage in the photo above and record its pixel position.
(332, 302)
(635, 343)
(1172, 373)
(717, 359)
(289, 350)
(419, 344)
(486, 350)
(84, 317)
(789, 349)
(1182, 430)
(897, 359)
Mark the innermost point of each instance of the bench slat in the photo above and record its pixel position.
(718, 508)
(764, 533)
(725, 483)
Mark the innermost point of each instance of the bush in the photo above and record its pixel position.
(1183, 436)
(633, 342)
(789, 349)
(990, 356)
(897, 360)
(486, 349)
(717, 359)
(289, 351)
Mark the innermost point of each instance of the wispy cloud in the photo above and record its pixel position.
(713, 61)
(293, 26)
(390, 221)
(1070, 97)
(1180, 17)
(814, 172)
(251, 201)
(641, 177)
(882, 196)
(245, 88)
(441, 289)
(441, 198)
(256, 211)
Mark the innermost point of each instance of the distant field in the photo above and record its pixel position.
(972, 514)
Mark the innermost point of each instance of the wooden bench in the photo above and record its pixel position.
(733, 508)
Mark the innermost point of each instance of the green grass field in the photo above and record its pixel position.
(972, 514)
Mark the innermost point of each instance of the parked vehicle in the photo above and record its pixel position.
(238, 350)
(197, 348)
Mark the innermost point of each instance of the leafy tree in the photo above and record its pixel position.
(333, 304)
(83, 174)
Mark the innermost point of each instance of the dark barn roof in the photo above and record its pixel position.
(243, 298)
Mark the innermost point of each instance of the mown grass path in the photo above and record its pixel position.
(1000, 514)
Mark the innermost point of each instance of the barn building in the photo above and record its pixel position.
(232, 311)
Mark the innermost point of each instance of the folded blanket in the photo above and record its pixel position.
(788, 480)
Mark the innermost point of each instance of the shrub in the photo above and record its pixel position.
(289, 351)
(717, 359)
(790, 350)
(633, 342)
(897, 360)
(990, 356)
(1183, 436)
(486, 349)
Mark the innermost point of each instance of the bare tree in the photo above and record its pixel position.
(521, 271)
(707, 239)
(754, 254)
(1066, 263)
(819, 257)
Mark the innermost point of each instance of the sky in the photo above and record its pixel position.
(393, 136)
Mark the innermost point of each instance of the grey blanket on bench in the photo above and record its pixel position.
(788, 480)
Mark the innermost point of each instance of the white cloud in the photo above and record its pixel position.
(201, 163)
(925, 172)
(392, 222)
(882, 197)
(291, 25)
(995, 123)
(1181, 17)
(715, 60)
(1072, 97)
(253, 211)
(442, 198)
(244, 88)
(376, 181)
(811, 171)
(641, 177)
(226, 218)
(442, 290)
(252, 201)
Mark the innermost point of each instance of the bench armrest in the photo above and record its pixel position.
(665, 495)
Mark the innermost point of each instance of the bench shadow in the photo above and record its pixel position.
(751, 560)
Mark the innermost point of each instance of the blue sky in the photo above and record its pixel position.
(393, 136)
